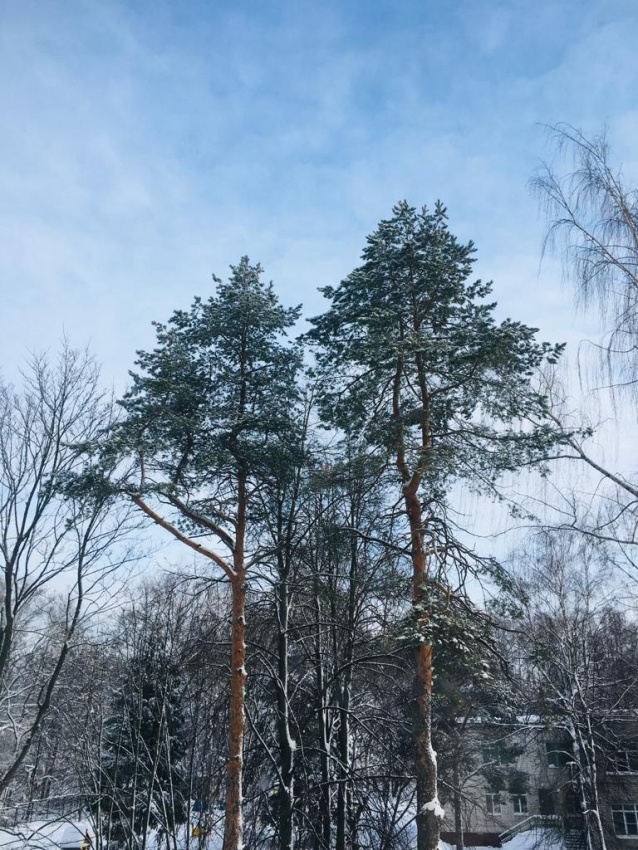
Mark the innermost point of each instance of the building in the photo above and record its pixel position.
(527, 779)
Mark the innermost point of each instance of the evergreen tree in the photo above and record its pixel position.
(208, 412)
(144, 744)
(411, 357)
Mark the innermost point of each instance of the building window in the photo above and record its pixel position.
(625, 820)
(556, 755)
(624, 761)
(496, 754)
(493, 804)
(519, 804)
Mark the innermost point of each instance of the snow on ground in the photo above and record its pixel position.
(536, 839)
(531, 839)
(61, 834)
(45, 835)
(68, 835)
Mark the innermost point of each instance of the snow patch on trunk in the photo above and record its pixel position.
(434, 806)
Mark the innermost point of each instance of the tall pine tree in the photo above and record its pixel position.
(411, 357)
(209, 409)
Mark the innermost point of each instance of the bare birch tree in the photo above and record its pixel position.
(592, 214)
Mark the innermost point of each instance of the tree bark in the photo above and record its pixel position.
(233, 827)
(428, 808)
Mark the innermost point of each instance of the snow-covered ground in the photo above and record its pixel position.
(46, 835)
(531, 839)
(61, 834)
(69, 835)
(536, 839)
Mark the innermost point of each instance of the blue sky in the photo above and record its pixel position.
(147, 144)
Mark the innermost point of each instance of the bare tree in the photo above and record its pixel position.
(593, 218)
(593, 223)
(577, 677)
(54, 539)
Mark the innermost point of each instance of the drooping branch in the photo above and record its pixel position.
(183, 538)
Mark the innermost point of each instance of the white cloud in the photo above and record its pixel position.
(148, 145)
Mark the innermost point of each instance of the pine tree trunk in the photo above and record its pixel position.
(233, 825)
(428, 814)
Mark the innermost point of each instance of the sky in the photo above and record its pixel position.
(148, 144)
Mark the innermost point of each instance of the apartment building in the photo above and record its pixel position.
(526, 781)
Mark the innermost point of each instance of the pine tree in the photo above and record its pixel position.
(206, 416)
(410, 356)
